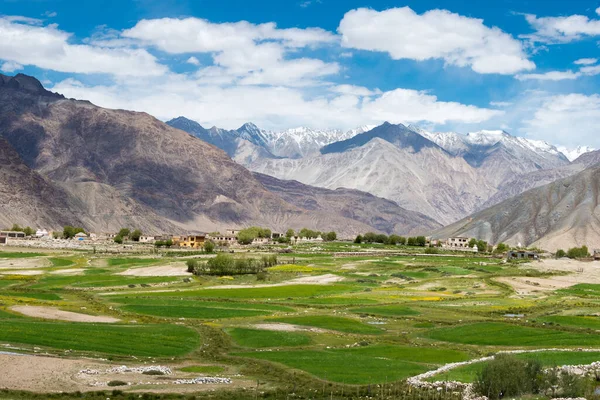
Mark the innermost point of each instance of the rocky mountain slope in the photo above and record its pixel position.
(393, 162)
(118, 168)
(382, 214)
(562, 214)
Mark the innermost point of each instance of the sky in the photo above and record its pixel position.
(528, 67)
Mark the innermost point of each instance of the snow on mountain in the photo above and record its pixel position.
(573, 154)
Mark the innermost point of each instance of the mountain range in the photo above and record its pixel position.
(68, 161)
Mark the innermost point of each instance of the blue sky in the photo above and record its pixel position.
(528, 67)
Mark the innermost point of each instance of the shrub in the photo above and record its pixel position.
(359, 239)
(224, 264)
(209, 246)
(118, 239)
(431, 250)
(421, 241)
(135, 235)
(117, 383)
(501, 248)
(330, 236)
(578, 252)
(508, 376)
(560, 253)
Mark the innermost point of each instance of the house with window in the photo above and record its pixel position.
(458, 242)
(191, 241)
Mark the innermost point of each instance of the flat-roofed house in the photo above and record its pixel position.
(190, 241)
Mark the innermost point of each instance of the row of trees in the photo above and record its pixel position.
(224, 264)
(28, 231)
(371, 237)
(574, 252)
(247, 235)
(128, 234)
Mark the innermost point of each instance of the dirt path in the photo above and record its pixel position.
(55, 313)
(174, 269)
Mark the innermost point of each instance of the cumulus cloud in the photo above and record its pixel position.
(586, 61)
(193, 60)
(591, 70)
(436, 34)
(47, 47)
(561, 29)
(10, 66)
(550, 76)
(354, 90)
(272, 107)
(567, 119)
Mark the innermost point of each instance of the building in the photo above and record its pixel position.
(191, 241)
(232, 232)
(522, 255)
(458, 242)
(147, 239)
(81, 237)
(223, 239)
(596, 254)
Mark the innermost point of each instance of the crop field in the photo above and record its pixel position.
(318, 318)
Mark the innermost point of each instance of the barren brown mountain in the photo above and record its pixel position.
(120, 168)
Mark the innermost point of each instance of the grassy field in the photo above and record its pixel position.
(127, 340)
(500, 334)
(258, 338)
(369, 365)
(388, 317)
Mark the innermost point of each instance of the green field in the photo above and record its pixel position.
(341, 324)
(273, 292)
(31, 295)
(500, 334)
(131, 340)
(257, 338)
(369, 365)
(574, 321)
(7, 254)
(386, 311)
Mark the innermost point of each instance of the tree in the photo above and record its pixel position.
(508, 376)
(578, 252)
(69, 231)
(135, 235)
(411, 241)
(473, 243)
(28, 231)
(124, 232)
(369, 237)
(118, 239)
(402, 241)
(393, 239)
(560, 253)
(309, 233)
(421, 241)
(482, 246)
(16, 228)
(209, 246)
(290, 233)
(330, 236)
(358, 239)
(501, 248)
(169, 243)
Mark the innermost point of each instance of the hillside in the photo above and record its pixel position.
(120, 168)
(561, 214)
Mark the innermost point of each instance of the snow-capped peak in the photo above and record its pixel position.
(573, 154)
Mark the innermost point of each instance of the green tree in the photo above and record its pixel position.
(482, 246)
(290, 233)
(578, 252)
(209, 246)
(402, 241)
(369, 237)
(28, 231)
(135, 235)
(502, 248)
(473, 243)
(359, 239)
(124, 232)
(411, 241)
(394, 239)
(16, 228)
(421, 241)
(69, 231)
(560, 253)
(330, 236)
(118, 239)
(168, 242)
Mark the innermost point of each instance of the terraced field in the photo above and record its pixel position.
(346, 322)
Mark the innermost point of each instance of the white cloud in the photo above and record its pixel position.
(586, 61)
(47, 47)
(549, 76)
(271, 107)
(354, 90)
(598, 10)
(10, 66)
(591, 70)
(561, 29)
(193, 60)
(346, 54)
(436, 34)
(50, 14)
(570, 119)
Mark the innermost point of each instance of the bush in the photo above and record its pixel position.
(421, 241)
(431, 250)
(246, 236)
(209, 246)
(560, 253)
(226, 265)
(501, 248)
(508, 376)
(578, 252)
(359, 239)
(117, 383)
(135, 235)
(118, 239)
(330, 236)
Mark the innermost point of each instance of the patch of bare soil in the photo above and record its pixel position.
(43, 374)
(574, 272)
(24, 263)
(305, 280)
(72, 271)
(282, 327)
(174, 269)
(55, 313)
(28, 272)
